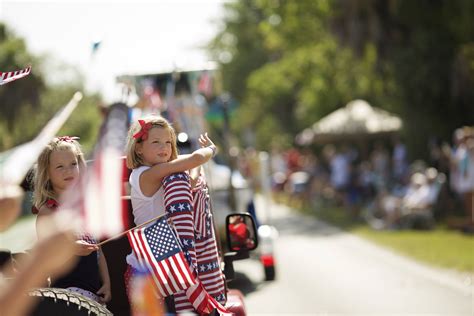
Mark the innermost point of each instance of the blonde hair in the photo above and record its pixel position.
(133, 159)
(43, 190)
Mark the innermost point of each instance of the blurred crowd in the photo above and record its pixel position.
(379, 184)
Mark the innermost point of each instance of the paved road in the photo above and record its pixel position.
(323, 271)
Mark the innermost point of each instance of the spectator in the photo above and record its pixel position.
(279, 170)
(466, 178)
(399, 160)
(380, 162)
(340, 173)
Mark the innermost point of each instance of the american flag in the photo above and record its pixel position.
(158, 251)
(203, 302)
(201, 205)
(207, 253)
(103, 209)
(98, 197)
(9, 76)
(201, 252)
(205, 84)
(178, 207)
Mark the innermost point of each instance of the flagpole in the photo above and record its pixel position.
(125, 232)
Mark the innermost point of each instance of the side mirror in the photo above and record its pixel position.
(241, 232)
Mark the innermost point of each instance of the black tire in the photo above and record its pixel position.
(54, 301)
(269, 273)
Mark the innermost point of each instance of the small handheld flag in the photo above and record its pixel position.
(158, 251)
(9, 76)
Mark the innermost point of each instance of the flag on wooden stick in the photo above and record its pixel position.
(9, 76)
(99, 196)
(158, 251)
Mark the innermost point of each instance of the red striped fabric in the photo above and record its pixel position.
(201, 253)
(201, 204)
(6, 77)
(209, 266)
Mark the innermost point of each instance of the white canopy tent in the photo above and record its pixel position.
(358, 119)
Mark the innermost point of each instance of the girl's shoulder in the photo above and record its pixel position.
(137, 171)
(135, 174)
(141, 169)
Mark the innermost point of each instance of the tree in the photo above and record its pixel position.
(26, 105)
(426, 48)
(21, 93)
(414, 58)
(302, 73)
(239, 46)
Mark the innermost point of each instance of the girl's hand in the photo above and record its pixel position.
(83, 248)
(104, 293)
(205, 141)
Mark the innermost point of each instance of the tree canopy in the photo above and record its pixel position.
(27, 104)
(289, 63)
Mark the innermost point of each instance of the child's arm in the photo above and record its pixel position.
(104, 292)
(194, 175)
(150, 180)
(52, 256)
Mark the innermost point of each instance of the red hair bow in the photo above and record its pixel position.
(51, 203)
(143, 133)
(68, 139)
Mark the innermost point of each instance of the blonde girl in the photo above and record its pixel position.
(59, 166)
(152, 155)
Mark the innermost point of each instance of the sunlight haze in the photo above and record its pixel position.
(135, 37)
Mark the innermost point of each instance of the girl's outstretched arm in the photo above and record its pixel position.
(150, 180)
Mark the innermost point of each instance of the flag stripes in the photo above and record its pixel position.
(209, 265)
(157, 250)
(201, 207)
(6, 77)
(103, 206)
(178, 207)
(177, 188)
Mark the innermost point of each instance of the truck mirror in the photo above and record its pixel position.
(241, 232)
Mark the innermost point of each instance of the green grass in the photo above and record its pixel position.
(440, 247)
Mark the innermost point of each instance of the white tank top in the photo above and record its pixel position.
(144, 207)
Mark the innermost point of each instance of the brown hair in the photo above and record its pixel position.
(43, 189)
(133, 159)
